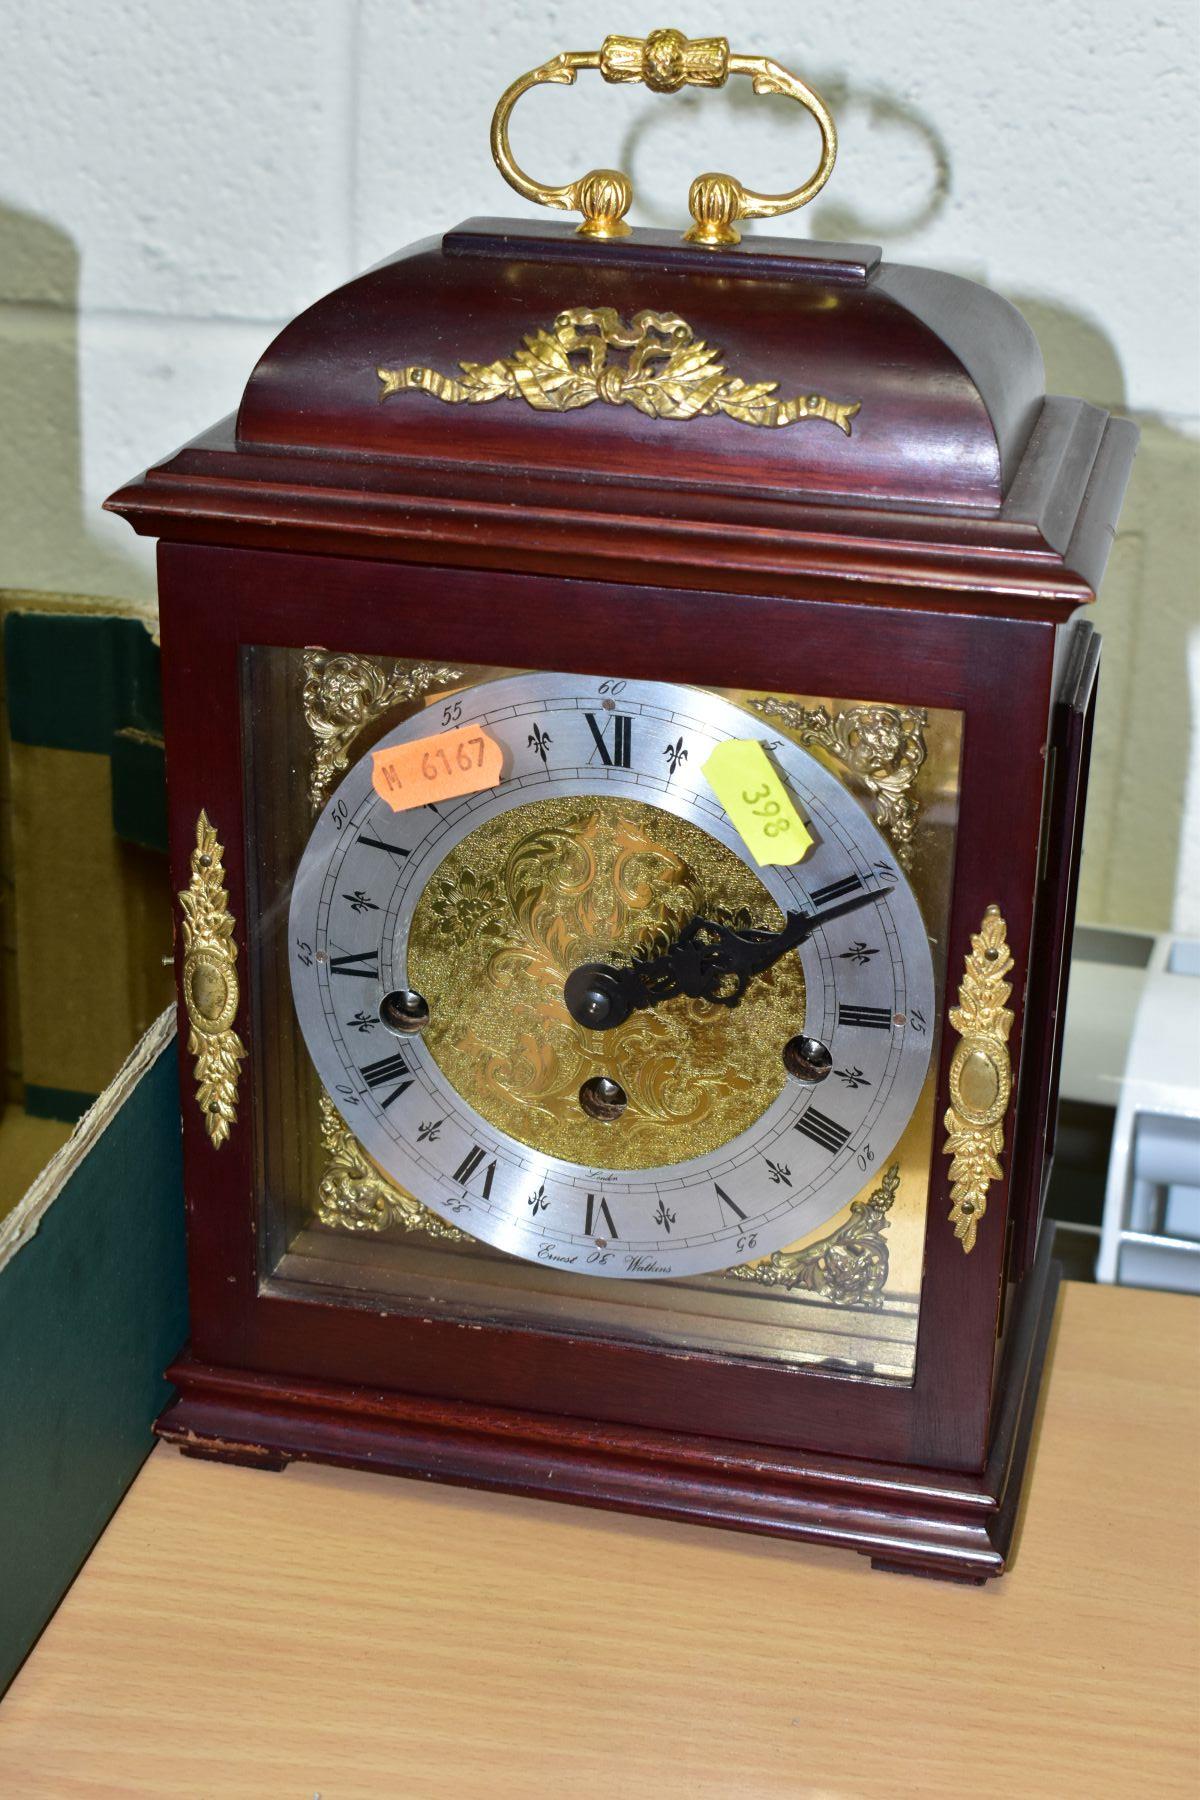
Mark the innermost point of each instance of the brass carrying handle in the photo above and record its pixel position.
(666, 61)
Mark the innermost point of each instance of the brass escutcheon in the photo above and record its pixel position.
(209, 982)
(980, 1077)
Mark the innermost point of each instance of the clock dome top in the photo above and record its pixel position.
(788, 368)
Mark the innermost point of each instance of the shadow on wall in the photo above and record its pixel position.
(829, 218)
(79, 883)
(1146, 727)
(835, 220)
(48, 543)
(1134, 871)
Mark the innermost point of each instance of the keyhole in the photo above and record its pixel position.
(404, 1012)
(807, 1059)
(603, 1099)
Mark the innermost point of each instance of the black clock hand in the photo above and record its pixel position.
(707, 961)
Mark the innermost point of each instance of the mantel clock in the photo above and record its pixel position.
(627, 723)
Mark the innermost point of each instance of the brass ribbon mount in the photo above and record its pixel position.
(654, 363)
(665, 62)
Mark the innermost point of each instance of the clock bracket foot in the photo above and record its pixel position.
(899, 1568)
(246, 1456)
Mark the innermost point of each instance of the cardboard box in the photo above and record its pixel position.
(91, 896)
(93, 1306)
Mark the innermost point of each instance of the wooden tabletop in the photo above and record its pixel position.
(237, 1633)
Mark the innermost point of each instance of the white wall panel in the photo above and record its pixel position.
(175, 178)
(94, 400)
(195, 157)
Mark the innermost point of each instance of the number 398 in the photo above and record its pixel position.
(767, 809)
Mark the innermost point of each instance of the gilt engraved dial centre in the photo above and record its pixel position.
(525, 898)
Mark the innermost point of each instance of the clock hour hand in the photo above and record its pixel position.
(708, 961)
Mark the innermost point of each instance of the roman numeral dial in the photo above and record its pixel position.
(822, 1130)
(431, 951)
(835, 890)
(866, 1018)
(374, 843)
(473, 1164)
(613, 738)
(364, 963)
(599, 1216)
(390, 1073)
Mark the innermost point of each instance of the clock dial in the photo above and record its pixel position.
(572, 1015)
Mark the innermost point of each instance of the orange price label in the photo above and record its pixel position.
(463, 761)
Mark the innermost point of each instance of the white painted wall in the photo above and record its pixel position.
(176, 180)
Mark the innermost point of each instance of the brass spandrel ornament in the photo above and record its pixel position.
(344, 694)
(354, 1196)
(849, 1267)
(883, 745)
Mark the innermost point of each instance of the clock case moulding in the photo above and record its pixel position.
(935, 554)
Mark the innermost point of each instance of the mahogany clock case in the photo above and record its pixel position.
(652, 548)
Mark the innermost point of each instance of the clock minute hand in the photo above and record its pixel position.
(706, 955)
(708, 961)
(815, 920)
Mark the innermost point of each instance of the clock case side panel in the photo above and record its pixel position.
(201, 683)
(1070, 742)
(997, 671)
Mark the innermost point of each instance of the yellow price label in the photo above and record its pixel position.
(750, 788)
